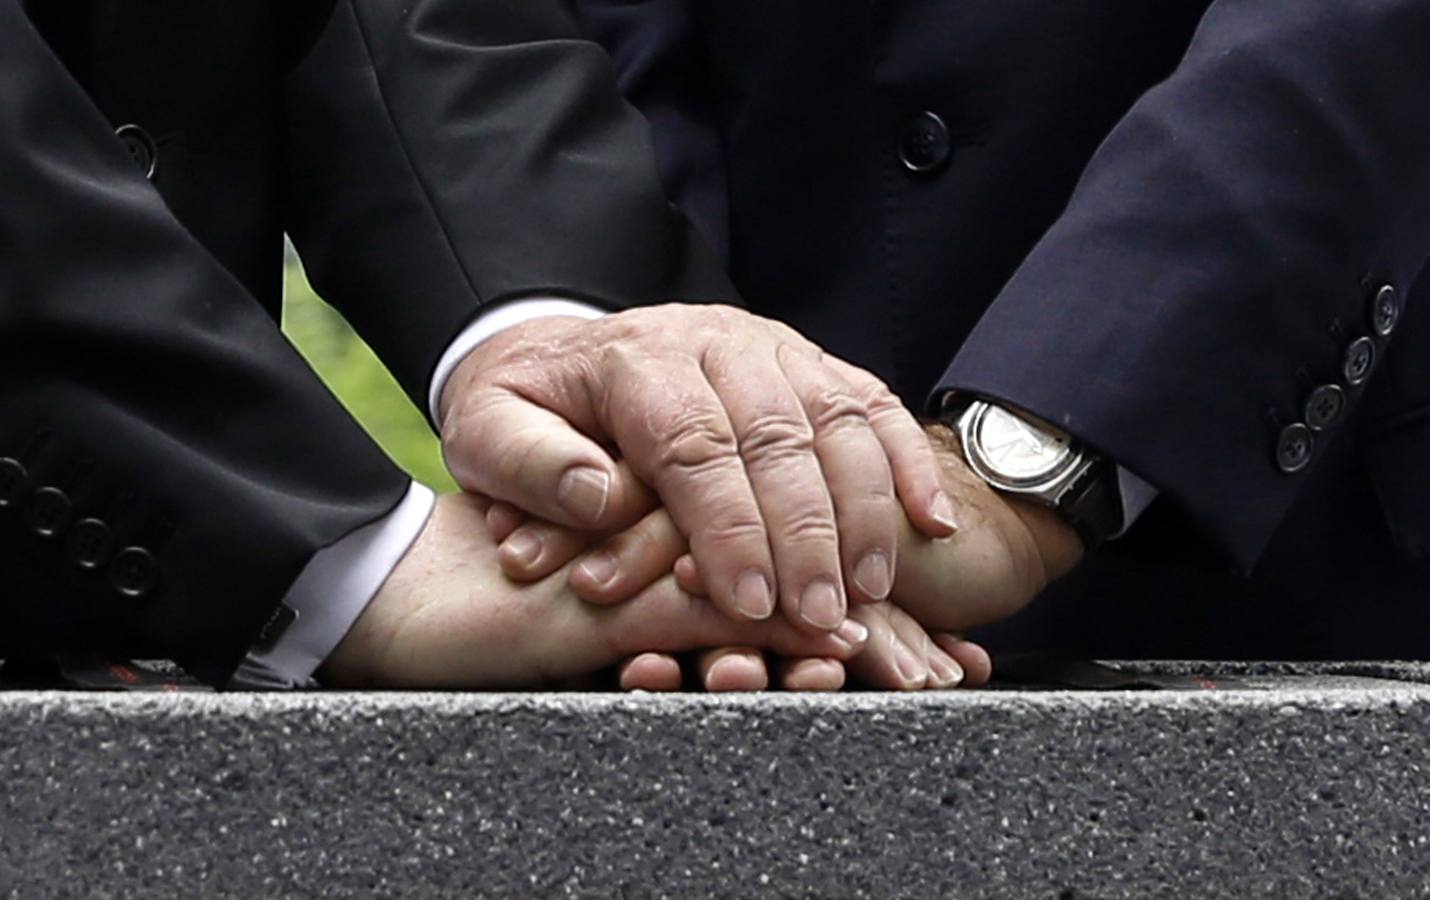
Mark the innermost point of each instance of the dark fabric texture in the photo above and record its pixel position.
(510, 167)
(429, 157)
(1159, 226)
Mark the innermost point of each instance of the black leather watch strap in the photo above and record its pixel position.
(1092, 507)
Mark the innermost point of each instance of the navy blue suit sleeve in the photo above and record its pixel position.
(665, 71)
(1221, 251)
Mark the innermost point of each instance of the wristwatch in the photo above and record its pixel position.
(1026, 457)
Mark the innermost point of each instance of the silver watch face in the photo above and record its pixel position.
(1017, 452)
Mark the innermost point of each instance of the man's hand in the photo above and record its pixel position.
(447, 617)
(1007, 551)
(785, 468)
(900, 655)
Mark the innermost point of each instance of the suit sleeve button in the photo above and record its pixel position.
(134, 572)
(13, 479)
(924, 144)
(89, 544)
(1293, 448)
(1324, 406)
(141, 148)
(1385, 311)
(1360, 359)
(49, 512)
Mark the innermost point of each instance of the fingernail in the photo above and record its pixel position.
(599, 567)
(752, 596)
(948, 672)
(524, 545)
(942, 511)
(910, 666)
(820, 605)
(874, 575)
(852, 633)
(583, 492)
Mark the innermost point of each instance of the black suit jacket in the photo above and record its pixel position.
(1160, 225)
(168, 463)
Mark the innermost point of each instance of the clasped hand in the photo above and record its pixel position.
(785, 467)
(1001, 558)
(718, 446)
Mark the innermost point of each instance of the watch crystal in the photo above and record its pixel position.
(1018, 450)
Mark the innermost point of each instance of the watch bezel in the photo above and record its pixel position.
(1046, 484)
(1076, 487)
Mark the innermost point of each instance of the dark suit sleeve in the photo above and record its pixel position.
(666, 72)
(1222, 250)
(448, 155)
(169, 462)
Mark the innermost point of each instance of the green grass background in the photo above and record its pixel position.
(351, 371)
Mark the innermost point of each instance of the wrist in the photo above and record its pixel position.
(1054, 543)
(1059, 546)
(358, 659)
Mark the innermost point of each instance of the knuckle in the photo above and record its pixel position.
(633, 335)
(873, 390)
(876, 395)
(639, 320)
(722, 312)
(733, 529)
(832, 408)
(793, 339)
(887, 409)
(513, 460)
(695, 441)
(809, 524)
(773, 438)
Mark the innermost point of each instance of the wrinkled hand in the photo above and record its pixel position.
(447, 618)
(784, 467)
(899, 654)
(1007, 551)
(1004, 554)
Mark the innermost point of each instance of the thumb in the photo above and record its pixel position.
(509, 448)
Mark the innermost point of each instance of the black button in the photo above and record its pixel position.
(89, 544)
(1385, 311)
(13, 479)
(1293, 448)
(49, 512)
(141, 148)
(1324, 406)
(924, 145)
(134, 572)
(1360, 359)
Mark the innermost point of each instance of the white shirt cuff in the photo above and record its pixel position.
(487, 324)
(332, 591)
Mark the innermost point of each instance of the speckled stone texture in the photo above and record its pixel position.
(1298, 786)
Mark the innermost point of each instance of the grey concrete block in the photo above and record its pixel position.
(1298, 786)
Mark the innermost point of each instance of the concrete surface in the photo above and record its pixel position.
(1294, 785)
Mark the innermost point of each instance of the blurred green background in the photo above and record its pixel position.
(350, 370)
